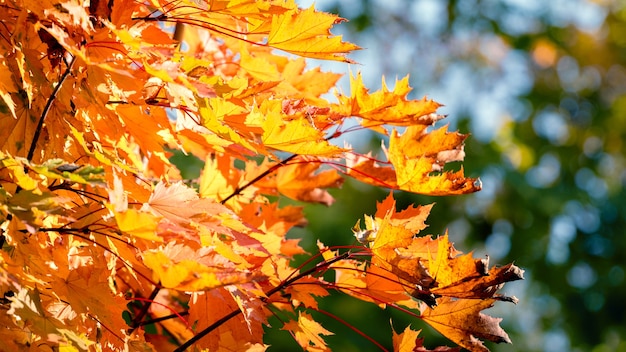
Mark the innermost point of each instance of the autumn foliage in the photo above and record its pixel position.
(101, 237)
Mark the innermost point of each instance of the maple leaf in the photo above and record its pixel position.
(87, 291)
(17, 127)
(386, 107)
(27, 305)
(462, 322)
(418, 158)
(13, 337)
(386, 287)
(399, 226)
(424, 267)
(7, 86)
(35, 208)
(208, 307)
(305, 291)
(300, 182)
(296, 136)
(218, 179)
(14, 168)
(481, 285)
(148, 136)
(307, 33)
(180, 267)
(308, 332)
(138, 224)
(408, 341)
(180, 204)
(405, 341)
(258, 67)
(311, 84)
(452, 274)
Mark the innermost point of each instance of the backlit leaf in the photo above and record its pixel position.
(307, 33)
(462, 322)
(419, 157)
(308, 333)
(138, 223)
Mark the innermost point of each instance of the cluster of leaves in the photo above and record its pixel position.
(106, 247)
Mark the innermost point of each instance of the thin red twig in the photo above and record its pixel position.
(174, 312)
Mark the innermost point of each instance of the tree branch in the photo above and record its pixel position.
(278, 288)
(46, 109)
(256, 179)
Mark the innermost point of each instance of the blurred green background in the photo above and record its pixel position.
(541, 87)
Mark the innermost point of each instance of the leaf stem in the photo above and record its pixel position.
(308, 272)
(351, 327)
(259, 177)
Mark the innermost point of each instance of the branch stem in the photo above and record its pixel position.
(46, 109)
(144, 309)
(278, 288)
(256, 179)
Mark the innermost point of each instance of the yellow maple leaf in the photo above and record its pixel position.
(385, 106)
(258, 67)
(419, 156)
(15, 168)
(182, 268)
(296, 136)
(307, 33)
(139, 224)
(218, 180)
(405, 341)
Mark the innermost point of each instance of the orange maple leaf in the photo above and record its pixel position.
(299, 180)
(178, 203)
(208, 307)
(308, 332)
(462, 322)
(408, 341)
(304, 292)
(27, 305)
(455, 275)
(88, 292)
(7, 86)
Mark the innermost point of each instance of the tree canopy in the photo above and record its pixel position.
(109, 241)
